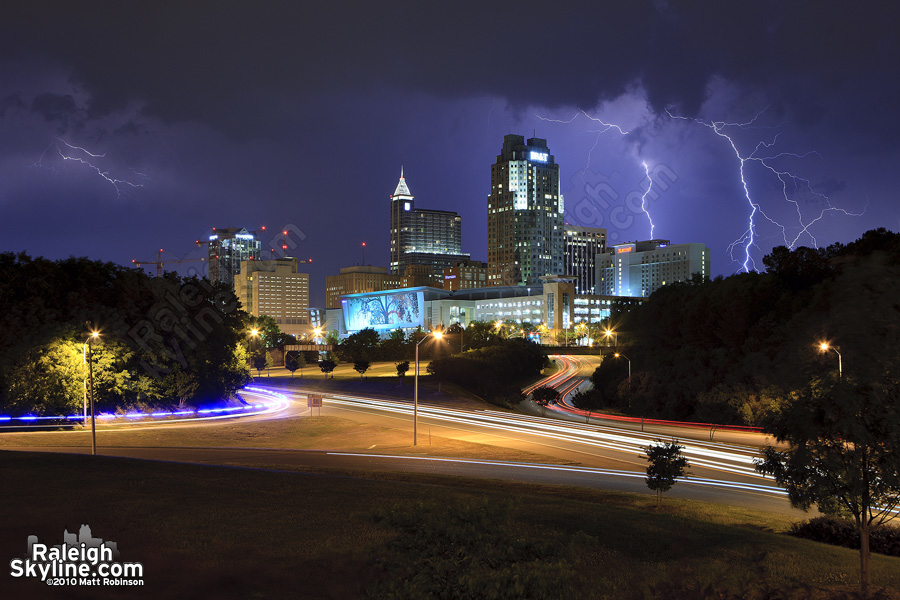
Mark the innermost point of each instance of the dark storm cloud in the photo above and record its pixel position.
(11, 103)
(55, 108)
(220, 61)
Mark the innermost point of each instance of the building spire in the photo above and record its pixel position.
(402, 189)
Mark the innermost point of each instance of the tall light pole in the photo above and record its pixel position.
(617, 355)
(94, 335)
(824, 347)
(253, 334)
(437, 335)
(84, 379)
(609, 333)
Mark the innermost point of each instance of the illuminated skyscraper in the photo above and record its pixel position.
(525, 214)
(227, 248)
(422, 237)
(582, 245)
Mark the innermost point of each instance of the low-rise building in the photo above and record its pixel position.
(641, 268)
(359, 279)
(553, 304)
(466, 275)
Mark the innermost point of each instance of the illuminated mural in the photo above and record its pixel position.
(385, 311)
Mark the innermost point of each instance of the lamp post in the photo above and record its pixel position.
(253, 334)
(94, 335)
(617, 355)
(84, 380)
(437, 335)
(610, 333)
(825, 347)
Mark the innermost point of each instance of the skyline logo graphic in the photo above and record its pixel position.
(81, 559)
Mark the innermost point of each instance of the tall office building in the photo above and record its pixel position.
(421, 236)
(274, 288)
(640, 268)
(582, 245)
(525, 214)
(227, 248)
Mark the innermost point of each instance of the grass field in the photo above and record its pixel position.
(223, 532)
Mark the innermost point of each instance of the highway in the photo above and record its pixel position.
(609, 456)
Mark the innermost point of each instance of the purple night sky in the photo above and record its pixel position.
(297, 115)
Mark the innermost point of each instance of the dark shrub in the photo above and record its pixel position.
(842, 532)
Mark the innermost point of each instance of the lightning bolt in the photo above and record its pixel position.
(599, 132)
(763, 155)
(70, 152)
(607, 127)
(644, 198)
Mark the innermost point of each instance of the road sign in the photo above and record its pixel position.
(314, 400)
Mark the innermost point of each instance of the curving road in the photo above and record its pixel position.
(609, 455)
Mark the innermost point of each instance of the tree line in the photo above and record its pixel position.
(162, 341)
(732, 349)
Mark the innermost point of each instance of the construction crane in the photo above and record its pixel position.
(159, 262)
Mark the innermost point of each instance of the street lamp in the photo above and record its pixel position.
(90, 345)
(317, 333)
(824, 347)
(437, 335)
(253, 334)
(617, 355)
(84, 391)
(609, 333)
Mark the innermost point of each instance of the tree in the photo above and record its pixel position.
(333, 337)
(327, 367)
(270, 362)
(543, 396)
(395, 347)
(361, 366)
(183, 386)
(842, 456)
(362, 345)
(402, 368)
(666, 463)
(588, 401)
(294, 360)
(455, 332)
(270, 334)
(482, 333)
(259, 362)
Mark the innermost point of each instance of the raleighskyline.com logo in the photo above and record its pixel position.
(79, 560)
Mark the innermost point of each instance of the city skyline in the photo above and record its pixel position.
(140, 141)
